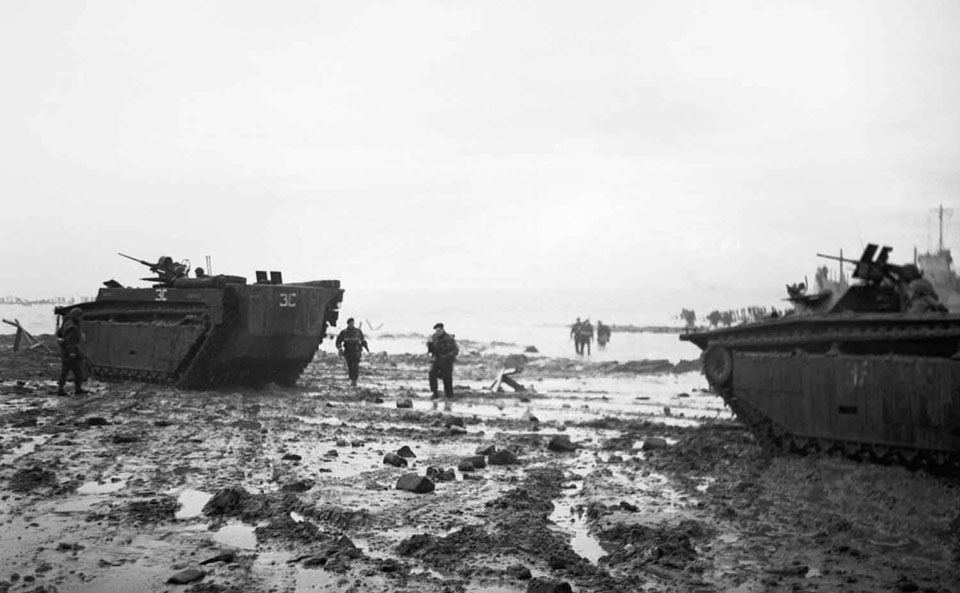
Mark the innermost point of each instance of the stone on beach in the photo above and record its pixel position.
(404, 403)
(406, 451)
(394, 460)
(651, 443)
(415, 483)
(561, 442)
(539, 585)
(187, 576)
(503, 457)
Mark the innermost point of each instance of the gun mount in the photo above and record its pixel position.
(167, 271)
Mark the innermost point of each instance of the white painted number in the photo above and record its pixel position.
(288, 299)
(161, 294)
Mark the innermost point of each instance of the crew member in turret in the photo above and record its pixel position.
(350, 345)
(443, 347)
(70, 338)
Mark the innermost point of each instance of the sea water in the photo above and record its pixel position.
(485, 321)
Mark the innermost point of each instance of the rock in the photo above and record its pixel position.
(539, 585)
(532, 350)
(96, 421)
(651, 443)
(374, 486)
(291, 457)
(405, 403)
(394, 460)
(485, 449)
(357, 443)
(298, 485)
(415, 483)
(332, 453)
(433, 472)
(666, 411)
(406, 451)
(457, 430)
(529, 417)
(342, 442)
(187, 576)
(455, 421)
(628, 507)
(448, 475)
(465, 466)
(228, 557)
(682, 395)
(478, 461)
(503, 457)
(519, 571)
(473, 477)
(561, 442)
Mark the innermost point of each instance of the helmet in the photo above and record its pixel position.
(75, 313)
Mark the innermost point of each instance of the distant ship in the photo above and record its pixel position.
(938, 269)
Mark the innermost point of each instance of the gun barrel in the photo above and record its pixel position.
(146, 263)
(839, 259)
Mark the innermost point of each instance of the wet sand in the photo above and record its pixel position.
(286, 489)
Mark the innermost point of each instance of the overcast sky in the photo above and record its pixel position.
(537, 144)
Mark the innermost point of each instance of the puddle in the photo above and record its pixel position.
(25, 448)
(113, 485)
(236, 534)
(191, 502)
(567, 520)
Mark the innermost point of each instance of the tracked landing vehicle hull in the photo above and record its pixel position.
(882, 385)
(207, 332)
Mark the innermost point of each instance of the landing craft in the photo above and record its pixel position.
(872, 370)
(207, 331)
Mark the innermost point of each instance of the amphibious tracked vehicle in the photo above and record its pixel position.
(873, 371)
(207, 331)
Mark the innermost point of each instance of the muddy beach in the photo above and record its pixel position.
(599, 477)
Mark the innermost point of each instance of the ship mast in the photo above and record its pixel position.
(941, 228)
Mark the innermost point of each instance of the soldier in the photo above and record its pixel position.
(350, 345)
(586, 336)
(603, 334)
(443, 347)
(575, 334)
(69, 338)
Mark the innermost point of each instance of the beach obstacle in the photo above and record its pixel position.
(23, 335)
(504, 378)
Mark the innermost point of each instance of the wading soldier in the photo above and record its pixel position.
(69, 338)
(444, 350)
(575, 334)
(350, 344)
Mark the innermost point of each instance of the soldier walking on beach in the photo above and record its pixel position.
(350, 345)
(443, 347)
(586, 336)
(575, 334)
(603, 334)
(69, 338)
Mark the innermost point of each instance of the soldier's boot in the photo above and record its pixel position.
(79, 390)
(435, 395)
(60, 390)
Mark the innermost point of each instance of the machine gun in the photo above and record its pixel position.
(166, 269)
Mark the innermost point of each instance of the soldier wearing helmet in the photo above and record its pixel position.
(69, 338)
